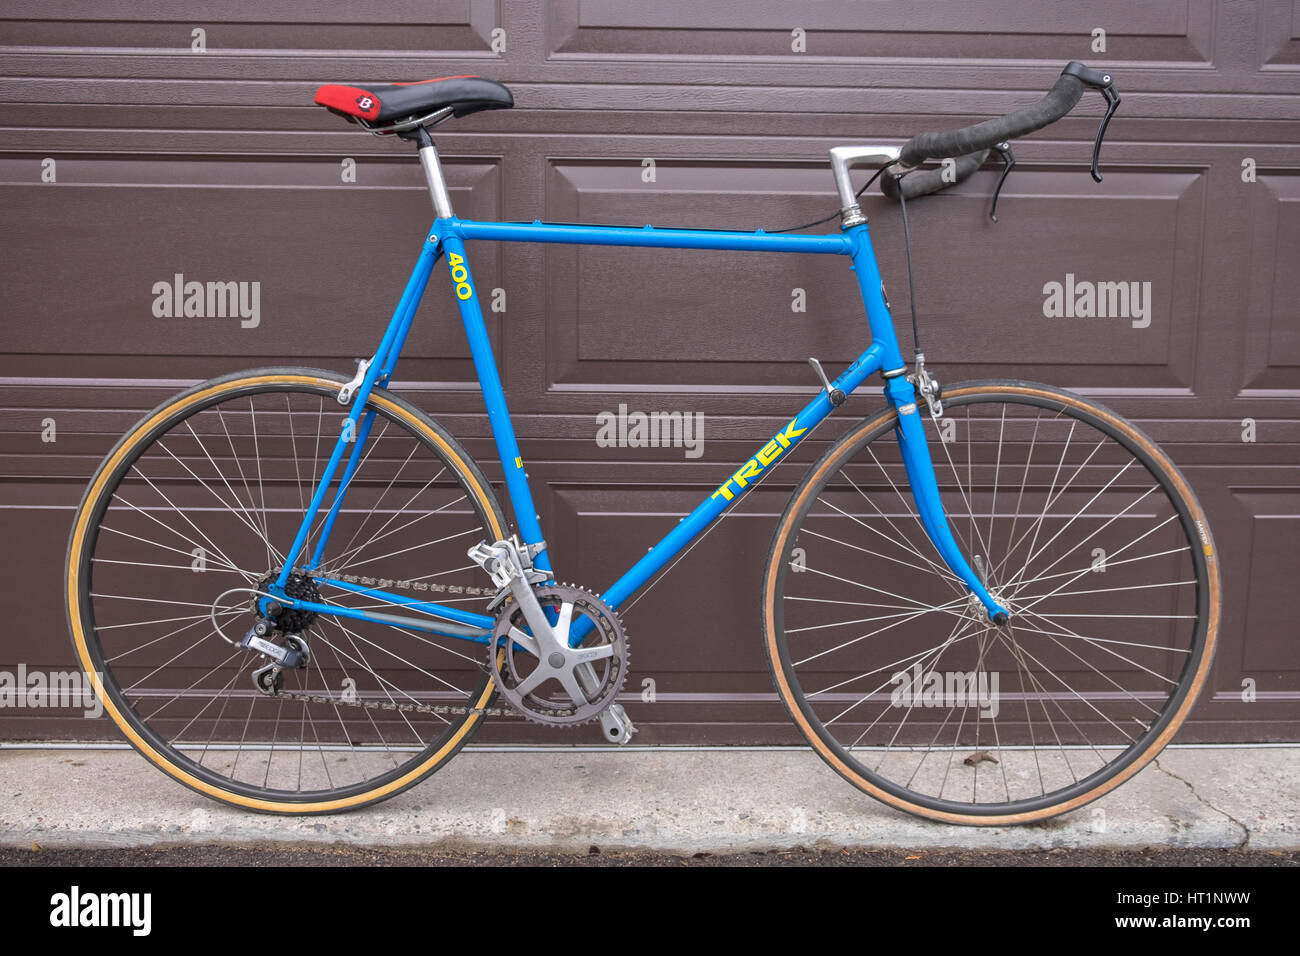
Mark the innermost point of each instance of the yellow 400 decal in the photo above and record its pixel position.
(460, 275)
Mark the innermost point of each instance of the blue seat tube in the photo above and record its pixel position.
(503, 432)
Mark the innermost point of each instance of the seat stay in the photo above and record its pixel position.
(355, 431)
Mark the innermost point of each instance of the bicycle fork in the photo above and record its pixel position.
(925, 492)
(901, 394)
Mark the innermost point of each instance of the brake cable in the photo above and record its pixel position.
(911, 285)
(907, 246)
(834, 215)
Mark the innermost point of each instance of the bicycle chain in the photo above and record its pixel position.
(441, 710)
(449, 710)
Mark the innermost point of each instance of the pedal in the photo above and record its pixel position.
(616, 724)
(496, 560)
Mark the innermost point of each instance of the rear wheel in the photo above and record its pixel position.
(1080, 526)
(186, 520)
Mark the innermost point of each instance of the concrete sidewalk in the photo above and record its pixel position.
(679, 801)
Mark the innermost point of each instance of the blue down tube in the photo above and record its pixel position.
(734, 488)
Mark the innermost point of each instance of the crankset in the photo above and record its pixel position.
(539, 668)
(548, 680)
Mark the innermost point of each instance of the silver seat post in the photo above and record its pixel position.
(433, 176)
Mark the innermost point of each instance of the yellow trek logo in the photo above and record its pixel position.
(459, 275)
(754, 467)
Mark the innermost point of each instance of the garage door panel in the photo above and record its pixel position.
(341, 255)
(1270, 520)
(1273, 326)
(621, 314)
(703, 620)
(244, 27)
(1280, 33)
(1147, 30)
(1069, 277)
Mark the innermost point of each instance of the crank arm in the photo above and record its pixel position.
(614, 720)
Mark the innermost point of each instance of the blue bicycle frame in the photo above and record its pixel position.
(448, 236)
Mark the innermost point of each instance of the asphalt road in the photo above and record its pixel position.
(353, 856)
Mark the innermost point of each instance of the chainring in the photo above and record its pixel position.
(548, 703)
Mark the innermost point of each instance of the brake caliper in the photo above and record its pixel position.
(928, 386)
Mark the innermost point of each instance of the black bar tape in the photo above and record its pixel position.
(923, 182)
(969, 145)
(957, 142)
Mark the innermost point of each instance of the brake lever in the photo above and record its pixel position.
(1105, 84)
(1009, 159)
(1112, 98)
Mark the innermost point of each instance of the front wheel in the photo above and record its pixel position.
(1077, 523)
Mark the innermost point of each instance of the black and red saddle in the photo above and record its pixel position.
(383, 104)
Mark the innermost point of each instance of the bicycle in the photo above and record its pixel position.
(271, 648)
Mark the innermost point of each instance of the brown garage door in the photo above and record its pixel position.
(153, 142)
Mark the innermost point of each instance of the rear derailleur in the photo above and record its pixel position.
(291, 622)
(293, 653)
